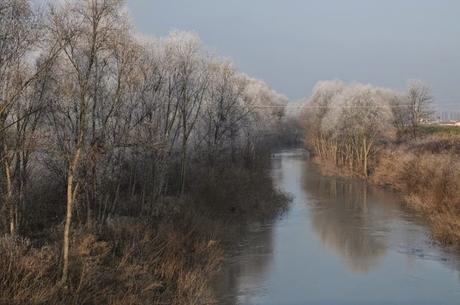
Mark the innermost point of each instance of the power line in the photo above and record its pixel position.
(306, 106)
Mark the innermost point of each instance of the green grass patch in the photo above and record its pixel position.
(440, 129)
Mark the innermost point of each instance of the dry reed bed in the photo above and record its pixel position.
(427, 172)
(134, 261)
(430, 182)
(128, 263)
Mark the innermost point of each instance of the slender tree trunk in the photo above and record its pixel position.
(183, 166)
(9, 202)
(11, 205)
(365, 156)
(71, 194)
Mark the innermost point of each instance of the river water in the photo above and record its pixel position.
(341, 242)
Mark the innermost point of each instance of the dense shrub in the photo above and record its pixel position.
(167, 257)
(430, 181)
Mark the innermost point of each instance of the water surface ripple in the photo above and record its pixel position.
(341, 242)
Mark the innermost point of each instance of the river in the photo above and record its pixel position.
(341, 242)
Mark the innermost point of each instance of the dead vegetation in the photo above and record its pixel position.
(105, 138)
(427, 171)
(381, 135)
(129, 263)
(168, 258)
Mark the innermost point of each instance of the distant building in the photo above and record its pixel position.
(450, 123)
(448, 118)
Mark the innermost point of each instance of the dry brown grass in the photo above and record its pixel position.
(430, 181)
(129, 263)
(27, 274)
(169, 258)
(427, 171)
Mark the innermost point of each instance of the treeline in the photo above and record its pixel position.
(94, 116)
(386, 137)
(347, 124)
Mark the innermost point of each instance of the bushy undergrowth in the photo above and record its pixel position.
(130, 262)
(168, 258)
(244, 194)
(430, 180)
(426, 170)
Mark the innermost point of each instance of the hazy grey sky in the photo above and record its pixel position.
(291, 44)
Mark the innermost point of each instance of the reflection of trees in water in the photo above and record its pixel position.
(356, 221)
(359, 222)
(342, 218)
(252, 256)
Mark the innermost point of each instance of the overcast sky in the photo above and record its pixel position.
(291, 44)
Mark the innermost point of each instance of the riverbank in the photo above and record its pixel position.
(167, 259)
(373, 248)
(427, 172)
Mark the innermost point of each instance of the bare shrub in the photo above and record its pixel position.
(129, 263)
(430, 181)
(27, 274)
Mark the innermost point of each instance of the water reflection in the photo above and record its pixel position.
(341, 242)
(247, 264)
(342, 219)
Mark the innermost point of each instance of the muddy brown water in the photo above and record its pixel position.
(341, 242)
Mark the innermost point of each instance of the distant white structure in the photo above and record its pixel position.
(448, 118)
(451, 123)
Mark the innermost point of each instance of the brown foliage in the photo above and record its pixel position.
(167, 258)
(430, 180)
(128, 263)
(27, 274)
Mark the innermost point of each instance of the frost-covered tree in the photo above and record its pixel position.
(412, 108)
(268, 110)
(20, 35)
(224, 112)
(86, 31)
(419, 104)
(347, 123)
(106, 118)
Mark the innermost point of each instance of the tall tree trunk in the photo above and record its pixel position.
(8, 181)
(365, 157)
(71, 195)
(183, 166)
(11, 205)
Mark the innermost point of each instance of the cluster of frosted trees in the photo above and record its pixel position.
(346, 124)
(88, 107)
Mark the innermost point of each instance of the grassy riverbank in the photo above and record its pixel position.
(426, 170)
(167, 259)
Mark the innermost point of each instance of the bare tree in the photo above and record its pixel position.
(193, 80)
(266, 108)
(223, 111)
(84, 30)
(347, 123)
(108, 114)
(419, 103)
(19, 38)
(401, 117)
